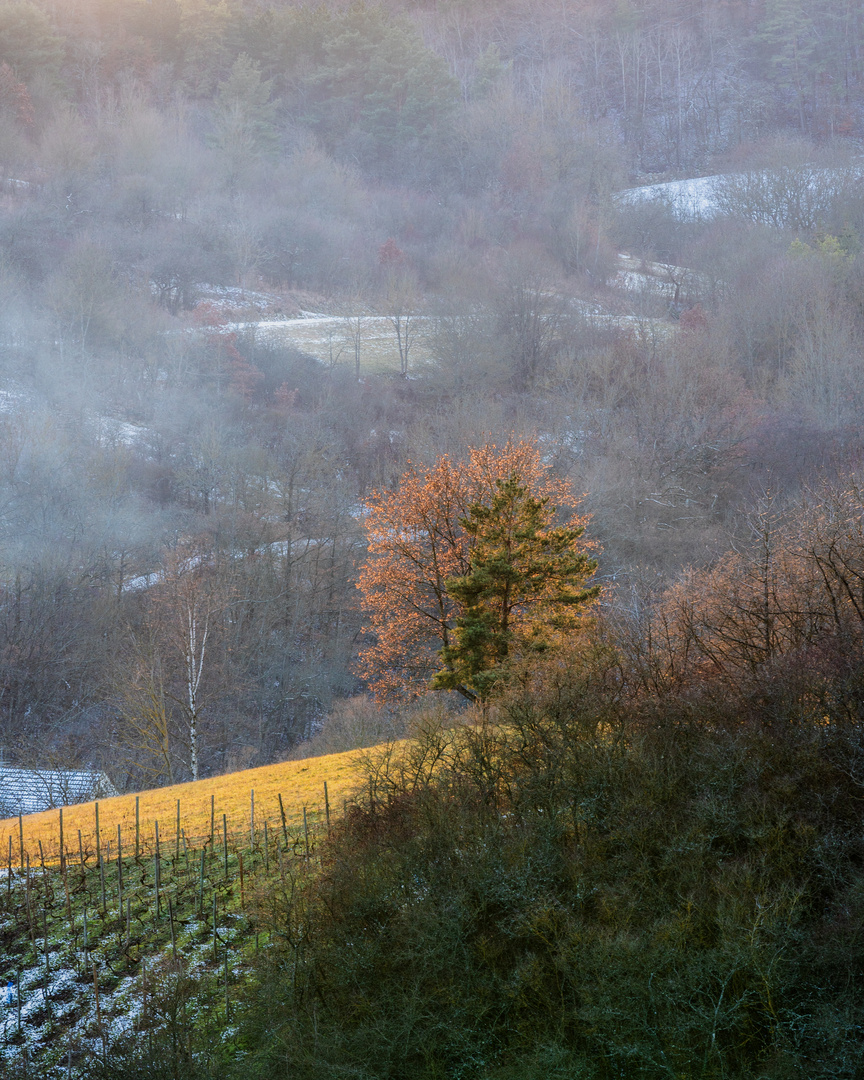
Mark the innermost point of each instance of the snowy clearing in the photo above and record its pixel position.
(693, 198)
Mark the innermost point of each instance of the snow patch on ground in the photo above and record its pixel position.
(659, 279)
(113, 432)
(701, 197)
(13, 400)
(693, 198)
(9, 183)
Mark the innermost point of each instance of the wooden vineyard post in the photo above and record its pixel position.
(27, 900)
(284, 824)
(266, 849)
(101, 873)
(44, 871)
(227, 1002)
(137, 830)
(327, 807)
(212, 815)
(119, 870)
(177, 837)
(156, 872)
(225, 841)
(21, 837)
(98, 833)
(215, 950)
(9, 878)
(62, 848)
(18, 998)
(252, 819)
(99, 1011)
(306, 831)
(81, 857)
(143, 991)
(46, 995)
(173, 937)
(45, 940)
(68, 898)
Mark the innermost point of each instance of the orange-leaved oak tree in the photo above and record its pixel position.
(471, 564)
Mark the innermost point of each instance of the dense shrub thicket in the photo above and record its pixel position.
(577, 894)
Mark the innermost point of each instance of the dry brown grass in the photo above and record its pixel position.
(301, 784)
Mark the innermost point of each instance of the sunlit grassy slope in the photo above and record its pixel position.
(300, 783)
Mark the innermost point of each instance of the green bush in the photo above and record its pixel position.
(583, 888)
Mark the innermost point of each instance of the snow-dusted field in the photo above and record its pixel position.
(693, 198)
(766, 195)
(330, 339)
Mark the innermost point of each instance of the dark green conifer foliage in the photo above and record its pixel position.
(526, 586)
(375, 89)
(244, 128)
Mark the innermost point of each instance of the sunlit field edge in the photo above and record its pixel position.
(300, 783)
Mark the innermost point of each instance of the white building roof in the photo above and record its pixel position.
(27, 791)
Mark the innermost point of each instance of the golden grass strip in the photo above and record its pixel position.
(301, 783)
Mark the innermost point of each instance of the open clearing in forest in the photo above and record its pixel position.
(330, 339)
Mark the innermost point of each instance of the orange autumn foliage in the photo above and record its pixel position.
(778, 622)
(417, 542)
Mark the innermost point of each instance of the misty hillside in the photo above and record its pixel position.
(481, 382)
(254, 258)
